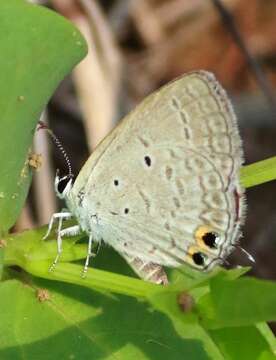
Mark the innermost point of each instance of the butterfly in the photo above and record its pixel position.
(163, 187)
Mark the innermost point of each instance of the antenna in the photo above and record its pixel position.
(58, 143)
(249, 256)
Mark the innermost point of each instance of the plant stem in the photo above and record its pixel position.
(258, 173)
(95, 279)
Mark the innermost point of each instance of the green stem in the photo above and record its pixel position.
(259, 172)
(95, 279)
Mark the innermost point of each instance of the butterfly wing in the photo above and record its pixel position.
(164, 184)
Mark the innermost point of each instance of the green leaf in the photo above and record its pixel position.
(186, 324)
(266, 355)
(38, 48)
(242, 302)
(242, 343)
(77, 323)
(36, 255)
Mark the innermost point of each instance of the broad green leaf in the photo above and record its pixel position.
(38, 48)
(242, 343)
(266, 355)
(186, 324)
(77, 323)
(242, 302)
(35, 256)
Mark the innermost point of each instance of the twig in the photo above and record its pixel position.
(261, 79)
(45, 199)
(147, 22)
(25, 220)
(97, 77)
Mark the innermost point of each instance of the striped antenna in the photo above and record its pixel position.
(58, 143)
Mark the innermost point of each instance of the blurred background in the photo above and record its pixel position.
(135, 46)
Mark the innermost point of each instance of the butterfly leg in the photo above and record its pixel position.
(64, 215)
(70, 231)
(147, 270)
(89, 254)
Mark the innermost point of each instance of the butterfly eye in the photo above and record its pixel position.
(210, 239)
(198, 258)
(61, 185)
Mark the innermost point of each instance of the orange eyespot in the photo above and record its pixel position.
(206, 237)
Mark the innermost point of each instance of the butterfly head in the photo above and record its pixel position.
(63, 185)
